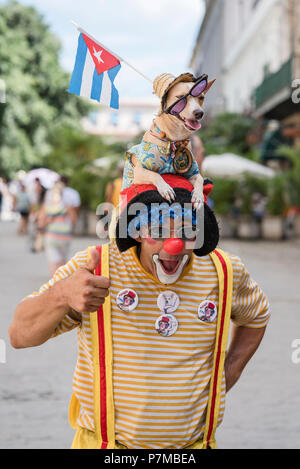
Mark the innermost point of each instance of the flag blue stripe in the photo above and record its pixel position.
(97, 85)
(76, 79)
(112, 73)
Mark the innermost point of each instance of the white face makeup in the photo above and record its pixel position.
(167, 249)
(167, 277)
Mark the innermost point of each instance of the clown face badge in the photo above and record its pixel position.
(207, 311)
(127, 300)
(166, 325)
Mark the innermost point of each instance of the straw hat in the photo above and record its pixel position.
(164, 82)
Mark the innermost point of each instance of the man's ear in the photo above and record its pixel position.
(209, 85)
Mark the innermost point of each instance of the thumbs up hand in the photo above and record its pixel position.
(86, 292)
(93, 261)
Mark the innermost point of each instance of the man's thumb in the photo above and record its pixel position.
(93, 260)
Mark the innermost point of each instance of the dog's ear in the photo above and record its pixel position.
(209, 85)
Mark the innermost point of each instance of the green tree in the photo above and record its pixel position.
(37, 102)
(74, 153)
(292, 175)
(228, 132)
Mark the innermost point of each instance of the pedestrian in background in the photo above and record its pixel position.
(2, 181)
(114, 187)
(58, 218)
(198, 150)
(108, 216)
(37, 195)
(22, 206)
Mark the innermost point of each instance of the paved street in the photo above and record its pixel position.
(263, 410)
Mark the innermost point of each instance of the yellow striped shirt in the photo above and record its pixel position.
(160, 384)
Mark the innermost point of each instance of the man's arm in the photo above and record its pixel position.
(35, 319)
(250, 314)
(244, 343)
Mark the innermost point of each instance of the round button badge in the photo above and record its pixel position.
(166, 325)
(207, 311)
(168, 302)
(127, 300)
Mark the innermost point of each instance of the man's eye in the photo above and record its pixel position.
(187, 234)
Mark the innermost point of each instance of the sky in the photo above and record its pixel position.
(154, 36)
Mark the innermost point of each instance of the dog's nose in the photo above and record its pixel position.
(198, 114)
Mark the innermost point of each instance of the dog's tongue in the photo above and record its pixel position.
(193, 124)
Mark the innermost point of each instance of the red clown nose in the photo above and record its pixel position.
(173, 246)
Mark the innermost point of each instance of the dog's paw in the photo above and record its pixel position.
(165, 190)
(198, 198)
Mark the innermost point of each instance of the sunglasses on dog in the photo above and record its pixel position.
(198, 88)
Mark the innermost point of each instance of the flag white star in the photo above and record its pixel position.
(98, 55)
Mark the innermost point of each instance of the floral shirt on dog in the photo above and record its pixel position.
(147, 155)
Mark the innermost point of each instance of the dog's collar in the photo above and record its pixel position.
(172, 142)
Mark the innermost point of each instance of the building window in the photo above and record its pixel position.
(114, 118)
(137, 118)
(93, 116)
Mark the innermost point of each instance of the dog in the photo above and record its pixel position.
(166, 147)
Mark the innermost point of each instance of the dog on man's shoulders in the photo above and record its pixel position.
(166, 147)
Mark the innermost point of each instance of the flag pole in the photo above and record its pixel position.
(113, 53)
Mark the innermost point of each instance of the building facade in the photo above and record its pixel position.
(248, 43)
(208, 54)
(253, 48)
(134, 116)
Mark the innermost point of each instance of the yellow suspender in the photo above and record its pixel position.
(103, 356)
(224, 270)
(103, 363)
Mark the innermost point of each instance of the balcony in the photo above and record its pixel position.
(273, 92)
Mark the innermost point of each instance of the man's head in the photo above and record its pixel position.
(155, 253)
(166, 234)
(64, 179)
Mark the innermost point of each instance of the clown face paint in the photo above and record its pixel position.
(169, 271)
(165, 266)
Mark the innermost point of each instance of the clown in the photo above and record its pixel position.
(141, 381)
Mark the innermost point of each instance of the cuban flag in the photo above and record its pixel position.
(94, 73)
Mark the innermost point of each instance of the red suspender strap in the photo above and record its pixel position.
(103, 400)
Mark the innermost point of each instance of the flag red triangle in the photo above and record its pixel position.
(103, 60)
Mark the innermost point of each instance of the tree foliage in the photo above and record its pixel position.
(37, 102)
(228, 132)
(292, 175)
(74, 153)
